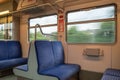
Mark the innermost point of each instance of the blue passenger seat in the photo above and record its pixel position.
(46, 62)
(111, 74)
(50, 57)
(11, 54)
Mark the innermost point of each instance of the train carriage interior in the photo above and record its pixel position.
(59, 39)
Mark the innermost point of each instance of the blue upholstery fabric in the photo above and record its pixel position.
(113, 72)
(44, 55)
(23, 67)
(50, 57)
(62, 72)
(3, 50)
(12, 62)
(10, 54)
(109, 77)
(58, 52)
(14, 49)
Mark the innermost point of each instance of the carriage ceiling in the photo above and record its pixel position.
(56, 3)
(4, 1)
(52, 1)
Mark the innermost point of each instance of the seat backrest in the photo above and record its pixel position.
(45, 57)
(3, 50)
(14, 49)
(58, 52)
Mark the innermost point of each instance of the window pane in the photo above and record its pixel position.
(92, 14)
(47, 30)
(44, 20)
(39, 36)
(50, 30)
(1, 31)
(9, 31)
(6, 28)
(99, 32)
(32, 34)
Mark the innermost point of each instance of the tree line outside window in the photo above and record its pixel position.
(93, 25)
(48, 25)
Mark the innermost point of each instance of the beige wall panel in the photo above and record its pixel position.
(24, 35)
(96, 64)
(111, 56)
(116, 47)
(16, 28)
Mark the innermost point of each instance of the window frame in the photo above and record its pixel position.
(92, 21)
(48, 25)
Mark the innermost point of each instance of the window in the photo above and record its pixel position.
(48, 25)
(6, 28)
(92, 25)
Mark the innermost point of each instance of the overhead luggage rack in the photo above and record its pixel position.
(33, 9)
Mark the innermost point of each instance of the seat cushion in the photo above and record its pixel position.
(44, 54)
(14, 49)
(12, 62)
(58, 52)
(23, 67)
(62, 72)
(3, 50)
(109, 77)
(113, 72)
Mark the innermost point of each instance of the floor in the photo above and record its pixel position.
(84, 75)
(13, 77)
(10, 77)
